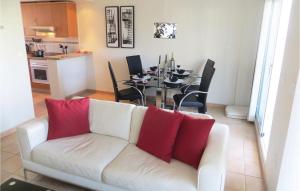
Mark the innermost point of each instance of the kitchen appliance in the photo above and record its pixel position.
(39, 71)
(43, 28)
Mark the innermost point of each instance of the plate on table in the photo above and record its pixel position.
(151, 73)
(183, 74)
(179, 81)
(147, 77)
(175, 84)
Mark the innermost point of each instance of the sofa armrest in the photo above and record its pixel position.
(30, 134)
(212, 167)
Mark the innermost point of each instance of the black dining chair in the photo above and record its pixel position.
(132, 93)
(134, 65)
(193, 85)
(196, 98)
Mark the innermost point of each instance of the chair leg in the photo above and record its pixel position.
(145, 99)
(201, 110)
(25, 174)
(143, 102)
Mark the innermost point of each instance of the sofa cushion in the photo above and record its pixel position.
(137, 170)
(138, 114)
(191, 140)
(67, 117)
(158, 132)
(83, 155)
(110, 118)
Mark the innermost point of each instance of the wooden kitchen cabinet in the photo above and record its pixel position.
(28, 18)
(43, 14)
(64, 19)
(61, 15)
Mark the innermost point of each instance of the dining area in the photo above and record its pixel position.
(166, 84)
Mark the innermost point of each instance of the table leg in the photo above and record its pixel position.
(165, 97)
(158, 99)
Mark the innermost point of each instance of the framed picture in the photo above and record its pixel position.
(127, 26)
(165, 30)
(112, 26)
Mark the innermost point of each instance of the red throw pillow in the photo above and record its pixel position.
(191, 139)
(158, 132)
(67, 117)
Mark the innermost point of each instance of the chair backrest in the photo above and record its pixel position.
(207, 76)
(209, 63)
(134, 64)
(114, 81)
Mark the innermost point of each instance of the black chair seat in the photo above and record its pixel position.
(190, 101)
(129, 94)
(191, 88)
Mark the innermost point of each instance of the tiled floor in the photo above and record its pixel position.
(243, 167)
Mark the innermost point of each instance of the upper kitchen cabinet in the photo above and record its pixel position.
(61, 15)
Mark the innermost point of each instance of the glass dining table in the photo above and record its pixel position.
(161, 83)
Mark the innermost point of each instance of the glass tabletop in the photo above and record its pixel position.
(161, 81)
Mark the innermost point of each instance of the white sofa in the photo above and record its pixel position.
(107, 159)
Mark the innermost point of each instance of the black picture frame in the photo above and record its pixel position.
(127, 26)
(112, 26)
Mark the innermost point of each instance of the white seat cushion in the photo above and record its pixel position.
(137, 170)
(110, 118)
(84, 155)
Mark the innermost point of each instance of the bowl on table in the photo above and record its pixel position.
(140, 75)
(180, 71)
(173, 78)
(153, 68)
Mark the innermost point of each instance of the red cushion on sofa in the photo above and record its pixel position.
(67, 117)
(158, 132)
(191, 140)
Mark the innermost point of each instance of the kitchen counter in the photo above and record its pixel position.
(67, 74)
(59, 56)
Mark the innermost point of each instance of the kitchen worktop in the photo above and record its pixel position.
(59, 56)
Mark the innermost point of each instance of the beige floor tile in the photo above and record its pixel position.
(236, 166)
(30, 175)
(236, 153)
(235, 181)
(253, 169)
(251, 156)
(12, 164)
(6, 155)
(254, 184)
(11, 148)
(7, 140)
(5, 175)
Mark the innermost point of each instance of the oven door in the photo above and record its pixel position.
(39, 71)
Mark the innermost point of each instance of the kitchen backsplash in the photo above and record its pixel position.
(52, 44)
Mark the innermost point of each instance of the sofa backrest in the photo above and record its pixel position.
(137, 118)
(110, 118)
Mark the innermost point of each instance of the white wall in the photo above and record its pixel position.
(225, 31)
(286, 116)
(16, 103)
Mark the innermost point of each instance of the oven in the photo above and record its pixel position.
(39, 71)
